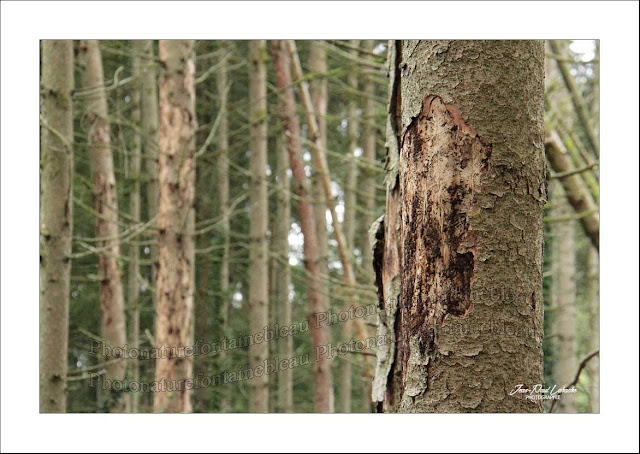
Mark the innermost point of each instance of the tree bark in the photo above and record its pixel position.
(222, 167)
(149, 127)
(322, 377)
(175, 278)
(283, 275)
(106, 212)
(56, 221)
(133, 290)
(346, 382)
(594, 326)
(258, 253)
(575, 189)
(563, 298)
(319, 99)
(458, 256)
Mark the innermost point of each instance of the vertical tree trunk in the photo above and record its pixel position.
(133, 292)
(350, 203)
(319, 98)
(283, 275)
(149, 127)
(222, 167)
(175, 279)
(106, 211)
(461, 289)
(594, 327)
(258, 253)
(56, 227)
(367, 187)
(322, 378)
(367, 184)
(564, 298)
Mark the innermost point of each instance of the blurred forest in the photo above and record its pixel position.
(248, 238)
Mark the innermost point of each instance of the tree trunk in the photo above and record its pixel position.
(175, 278)
(56, 225)
(133, 294)
(283, 275)
(222, 167)
(319, 98)
(350, 203)
(594, 327)
(149, 127)
(563, 298)
(458, 256)
(106, 211)
(322, 378)
(258, 253)
(575, 188)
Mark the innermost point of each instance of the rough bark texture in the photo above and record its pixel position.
(575, 188)
(563, 298)
(106, 211)
(175, 276)
(149, 126)
(283, 275)
(258, 253)
(466, 190)
(322, 378)
(56, 202)
(222, 82)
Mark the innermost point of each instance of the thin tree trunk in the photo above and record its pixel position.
(149, 127)
(106, 209)
(367, 183)
(133, 293)
(283, 274)
(175, 279)
(258, 253)
(350, 224)
(575, 189)
(594, 327)
(322, 377)
(564, 299)
(319, 98)
(56, 221)
(461, 287)
(222, 167)
(367, 188)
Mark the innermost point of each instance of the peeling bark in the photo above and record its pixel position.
(459, 254)
(176, 253)
(56, 227)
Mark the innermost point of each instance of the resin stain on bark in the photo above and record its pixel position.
(442, 164)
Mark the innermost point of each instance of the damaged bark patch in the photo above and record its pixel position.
(442, 164)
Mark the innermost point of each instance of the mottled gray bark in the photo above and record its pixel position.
(459, 253)
(56, 227)
(258, 252)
